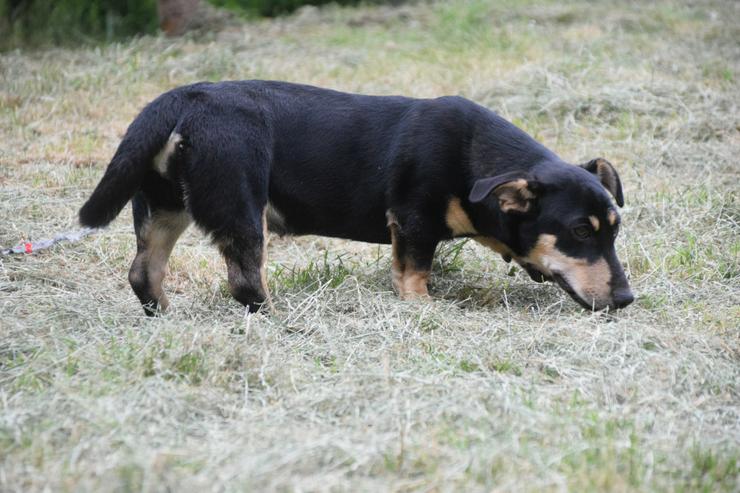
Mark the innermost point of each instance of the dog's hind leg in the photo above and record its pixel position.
(226, 189)
(157, 230)
(245, 254)
(226, 155)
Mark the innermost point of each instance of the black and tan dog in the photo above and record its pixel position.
(239, 158)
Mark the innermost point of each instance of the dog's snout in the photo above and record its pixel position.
(622, 297)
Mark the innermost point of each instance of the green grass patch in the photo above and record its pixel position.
(327, 272)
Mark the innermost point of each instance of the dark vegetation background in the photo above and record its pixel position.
(73, 21)
(47, 22)
(276, 7)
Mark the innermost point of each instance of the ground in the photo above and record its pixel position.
(496, 384)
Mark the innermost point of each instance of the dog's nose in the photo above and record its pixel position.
(622, 298)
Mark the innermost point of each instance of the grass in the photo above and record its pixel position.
(497, 383)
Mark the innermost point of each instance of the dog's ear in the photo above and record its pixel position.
(608, 176)
(515, 191)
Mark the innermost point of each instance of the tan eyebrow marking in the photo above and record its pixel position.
(594, 222)
(590, 280)
(612, 217)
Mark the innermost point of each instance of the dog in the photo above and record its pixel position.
(241, 158)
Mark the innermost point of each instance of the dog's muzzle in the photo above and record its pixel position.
(620, 297)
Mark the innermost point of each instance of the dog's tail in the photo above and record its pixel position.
(145, 137)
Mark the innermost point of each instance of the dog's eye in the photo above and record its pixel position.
(582, 232)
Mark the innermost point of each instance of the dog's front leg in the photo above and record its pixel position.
(411, 264)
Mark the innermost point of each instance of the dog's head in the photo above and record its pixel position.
(561, 226)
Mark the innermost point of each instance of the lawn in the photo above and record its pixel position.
(495, 384)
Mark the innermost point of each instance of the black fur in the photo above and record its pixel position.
(131, 163)
(334, 164)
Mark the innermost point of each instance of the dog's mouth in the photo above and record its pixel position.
(535, 274)
(559, 279)
(565, 286)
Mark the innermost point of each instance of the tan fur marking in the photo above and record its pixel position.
(408, 282)
(457, 220)
(594, 222)
(397, 262)
(494, 245)
(160, 160)
(275, 220)
(390, 218)
(415, 284)
(263, 264)
(611, 216)
(159, 236)
(589, 280)
(605, 172)
(514, 195)
(164, 232)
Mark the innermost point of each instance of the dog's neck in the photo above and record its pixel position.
(498, 146)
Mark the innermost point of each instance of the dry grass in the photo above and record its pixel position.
(496, 384)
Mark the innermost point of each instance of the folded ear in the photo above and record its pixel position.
(608, 176)
(515, 191)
